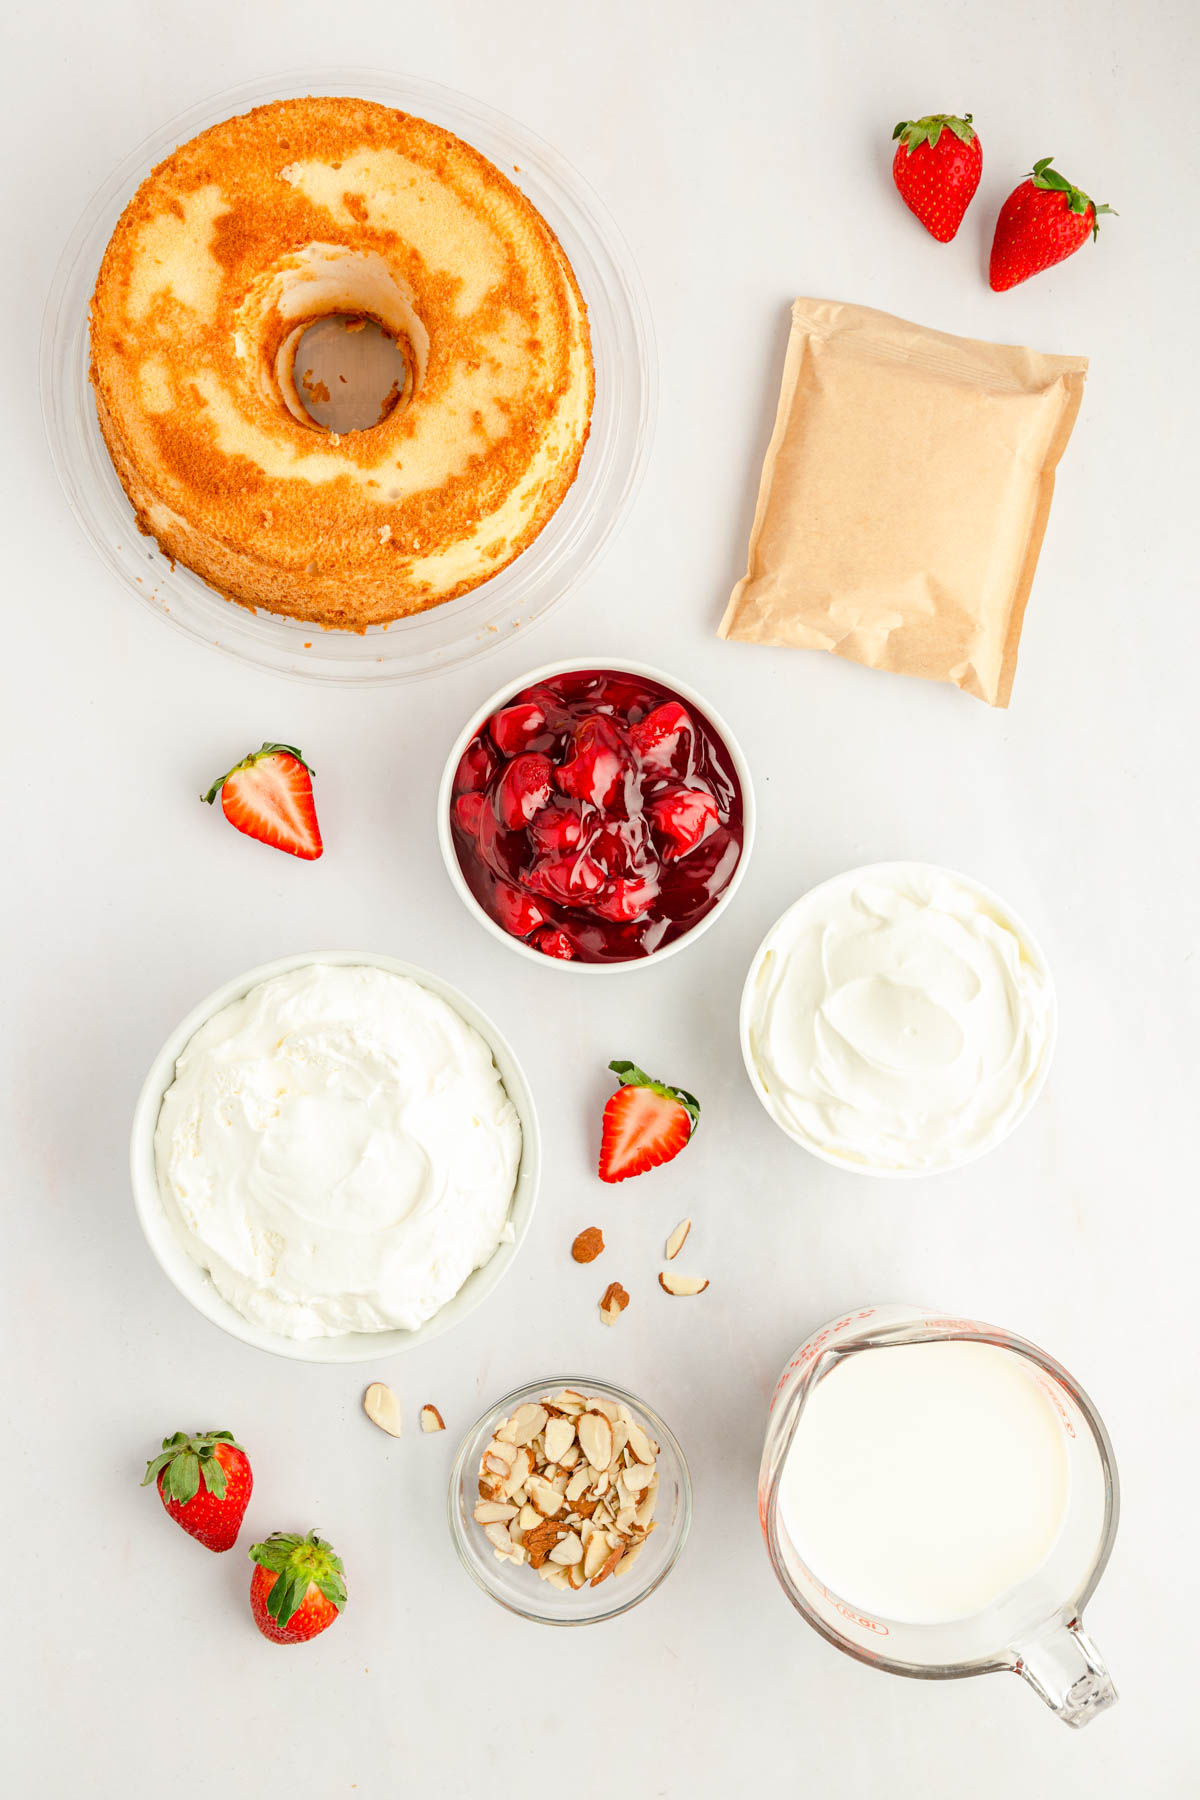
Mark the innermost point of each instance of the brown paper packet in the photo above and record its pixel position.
(904, 497)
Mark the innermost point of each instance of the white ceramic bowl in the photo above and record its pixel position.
(1004, 912)
(619, 666)
(195, 1283)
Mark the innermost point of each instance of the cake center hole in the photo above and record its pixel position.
(349, 373)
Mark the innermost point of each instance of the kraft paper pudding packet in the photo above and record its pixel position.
(904, 497)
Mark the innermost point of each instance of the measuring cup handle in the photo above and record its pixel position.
(1065, 1668)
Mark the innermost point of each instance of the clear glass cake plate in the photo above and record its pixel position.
(462, 630)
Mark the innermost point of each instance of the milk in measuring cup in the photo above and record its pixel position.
(925, 1481)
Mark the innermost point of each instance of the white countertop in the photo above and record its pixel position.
(745, 152)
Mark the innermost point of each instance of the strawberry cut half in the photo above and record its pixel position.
(268, 796)
(645, 1124)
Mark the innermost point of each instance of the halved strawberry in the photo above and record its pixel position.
(268, 795)
(523, 789)
(645, 1124)
(684, 817)
(660, 736)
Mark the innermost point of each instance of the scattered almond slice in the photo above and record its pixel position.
(677, 1239)
(682, 1286)
(588, 1245)
(382, 1408)
(431, 1418)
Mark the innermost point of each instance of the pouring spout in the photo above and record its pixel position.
(1064, 1667)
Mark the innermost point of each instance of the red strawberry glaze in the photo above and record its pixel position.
(628, 842)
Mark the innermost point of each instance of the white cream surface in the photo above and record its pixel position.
(926, 1481)
(898, 1021)
(338, 1150)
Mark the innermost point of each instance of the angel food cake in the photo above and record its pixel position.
(318, 209)
(338, 1150)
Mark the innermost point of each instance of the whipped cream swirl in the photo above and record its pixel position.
(898, 1019)
(338, 1150)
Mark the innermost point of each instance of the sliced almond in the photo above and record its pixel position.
(558, 1578)
(570, 1457)
(431, 1419)
(596, 1438)
(627, 1561)
(682, 1286)
(560, 1435)
(529, 1518)
(527, 1421)
(544, 1496)
(571, 1401)
(608, 1408)
(640, 1444)
(579, 1483)
(519, 1474)
(494, 1512)
(677, 1239)
(568, 1549)
(608, 1565)
(497, 1534)
(645, 1511)
(638, 1477)
(596, 1554)
(504, 1451)
(496, 1466)
(382, 1408)
(620, 1438)
(575, 1575)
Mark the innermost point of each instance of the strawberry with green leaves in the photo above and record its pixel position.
(205, 1483)
(645, 1124)
(936, 169)
(1042, 222)
(298, 1587)
(268, 796)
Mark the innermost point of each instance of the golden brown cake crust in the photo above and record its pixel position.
(216, 265)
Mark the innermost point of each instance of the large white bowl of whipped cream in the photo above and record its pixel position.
(898, 1020)
(335, 1156)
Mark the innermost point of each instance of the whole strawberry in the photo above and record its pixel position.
(1041, 223)
(205, 1483)
(298, 1587)
(936, 167)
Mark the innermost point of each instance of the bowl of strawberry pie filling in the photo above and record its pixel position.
(593, 817)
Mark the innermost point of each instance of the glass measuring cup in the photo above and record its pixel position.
(1035, 1630)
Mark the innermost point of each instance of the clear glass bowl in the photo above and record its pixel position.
(461, 630)
(517, 1587)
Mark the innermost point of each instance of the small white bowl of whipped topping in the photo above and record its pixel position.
(335, 1156)
(898, 1020)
